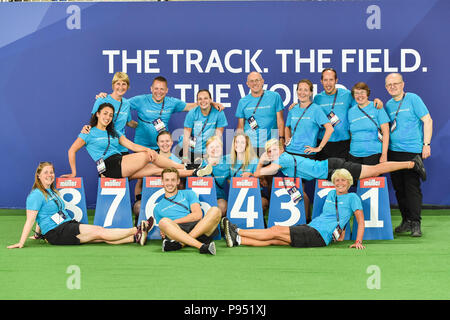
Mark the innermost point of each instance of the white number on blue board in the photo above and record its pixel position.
(72, 204)
(119, 193)
(250, 214)
(295, 213)
(373, 222)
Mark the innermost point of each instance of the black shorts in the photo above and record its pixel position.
(304, 236)
(338, 163)
(369, 160)
(113, 166)
(308, 156)
(336, 149)
(64, 234)
(188, 226)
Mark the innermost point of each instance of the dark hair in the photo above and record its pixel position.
(94, 120)
(160, 78)
(204, 90)
(329, 69)
(360, 86)
(308, 82)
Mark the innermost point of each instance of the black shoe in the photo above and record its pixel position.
(208, 248)
(405, 226)
(415, 229)
(171, 245)
(419, 167)
(192, 166)
(201, 172)
(230, 233)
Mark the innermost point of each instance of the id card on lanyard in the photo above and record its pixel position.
(251, 120)
(193, 139)
(101, 167)
(334, 119)
(177, 203)
(158, 123)
(58, 217)
(295, 128)
(338, 231)
(394, 122)
(293, 192)
(380, 134)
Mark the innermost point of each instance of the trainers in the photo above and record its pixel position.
(208, 248)
(230, 233)
(201, 172)
(415, 229)
(419, 167)
(144, 227)
(405, 226)
(192, 166)
(170, 245)
(151, 224)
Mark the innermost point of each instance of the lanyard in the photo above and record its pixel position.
(295, 128)
(205, 123)
(370, 118)
(337, 212)
(400, 104)
(162, 107)
(257, 105)
(334, 101)
(235, 173)
(118, 112)
(107, 147)
(295, 173)
(59, 204)
(177, 203)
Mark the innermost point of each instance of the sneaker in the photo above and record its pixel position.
(208, 248)
(192, 166)
(144, 227)
(151, 224)
(405, 226)
(230, 233)
(201, 172)
(415, 229)
(419, 167)
(170, 245)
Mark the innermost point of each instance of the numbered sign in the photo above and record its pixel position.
(283, 210)
(244, 203)
(113, 209)
(152, 193)
(377, 212)
(205, 188)
(72, 192)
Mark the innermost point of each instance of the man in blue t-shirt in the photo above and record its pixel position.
(411, 131)
(181, 220)
(260, 113)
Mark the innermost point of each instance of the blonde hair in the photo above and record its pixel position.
(37, 182)
(214, 138)
(342, 173)
(121, 76)
(249, 153)
(271, 142)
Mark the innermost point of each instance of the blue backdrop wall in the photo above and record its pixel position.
(54, 58)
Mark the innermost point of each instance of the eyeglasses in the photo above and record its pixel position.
(391, 85)
(255, 81)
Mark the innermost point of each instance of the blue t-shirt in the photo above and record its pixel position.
(305, 132)
(265, 116)
(148, 111)
(97, 142)
(307, 169)
(173, 211)
(221, 174)
(237, 169)
(408, 136)
(326, 222)
(364, 132)
(47, 217)
(196, 120)
(344, 101)
(120, 120)
(174, 158)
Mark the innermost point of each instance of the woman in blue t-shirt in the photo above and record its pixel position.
(329, 226)
(45, 206)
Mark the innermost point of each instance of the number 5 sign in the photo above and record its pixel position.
(72, 192)
(377, 212)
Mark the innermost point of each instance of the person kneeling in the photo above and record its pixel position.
(321, 231)
(180, 220)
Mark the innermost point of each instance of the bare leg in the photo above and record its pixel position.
(208, 224)
(131, 163)
(174, 232)
(223, 205)
(385, 167)
(278, 233)
(89, 233)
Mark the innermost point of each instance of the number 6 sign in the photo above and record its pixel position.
(152, 193)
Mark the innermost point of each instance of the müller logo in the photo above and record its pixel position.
(286, 182)
(200, 182)
(325, 184)
(68, 183)
(372, 183)
(153, 182)
(113, 183)
(245, 183)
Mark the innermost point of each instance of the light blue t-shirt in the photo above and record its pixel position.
(120, 120)
(344, 101)
(97, 142)
(364, 132)
(237, 169)
(174, 158)
(307, 169)
(408, 136)
(221, 174)
(305, 131)
(173, 211)
(47, 217)
(265, 116)
(148, 110)
(326, 222)
(196, 120)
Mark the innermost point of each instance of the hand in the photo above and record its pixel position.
(309, 149)
(151, 154)
(383, 158)
(264, 158)
(358, 245)
(292, 105)
(86, 129)
(218, 106)
(68, 175)
(426, 152)
(17, 245)
(378, 103)
(101, 95)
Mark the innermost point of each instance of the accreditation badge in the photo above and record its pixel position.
(252, 123)
(393, 125)
(101, 167)
(295, 194)
(337, 233)
(58, 217)
(334, 119)
(159, 125)
(380, 136)
(192, 142)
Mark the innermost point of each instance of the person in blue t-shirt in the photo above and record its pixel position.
(201, 123)
(181, 220)
(369, 128)
(55, 224)
(411, 131)
(329, 226)
(260, 113)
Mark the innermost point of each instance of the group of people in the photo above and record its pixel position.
(339, 135)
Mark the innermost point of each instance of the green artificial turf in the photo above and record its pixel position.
(408, 268)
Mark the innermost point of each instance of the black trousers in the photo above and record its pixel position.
(406, 184)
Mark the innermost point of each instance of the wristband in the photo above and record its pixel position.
(427, 144)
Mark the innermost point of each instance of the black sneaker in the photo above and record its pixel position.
(405, 226)
(208, 248)
(419, 167)
(171, 245)
(192, 166)
(230, 233)
(415, 229)
(201, 172)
